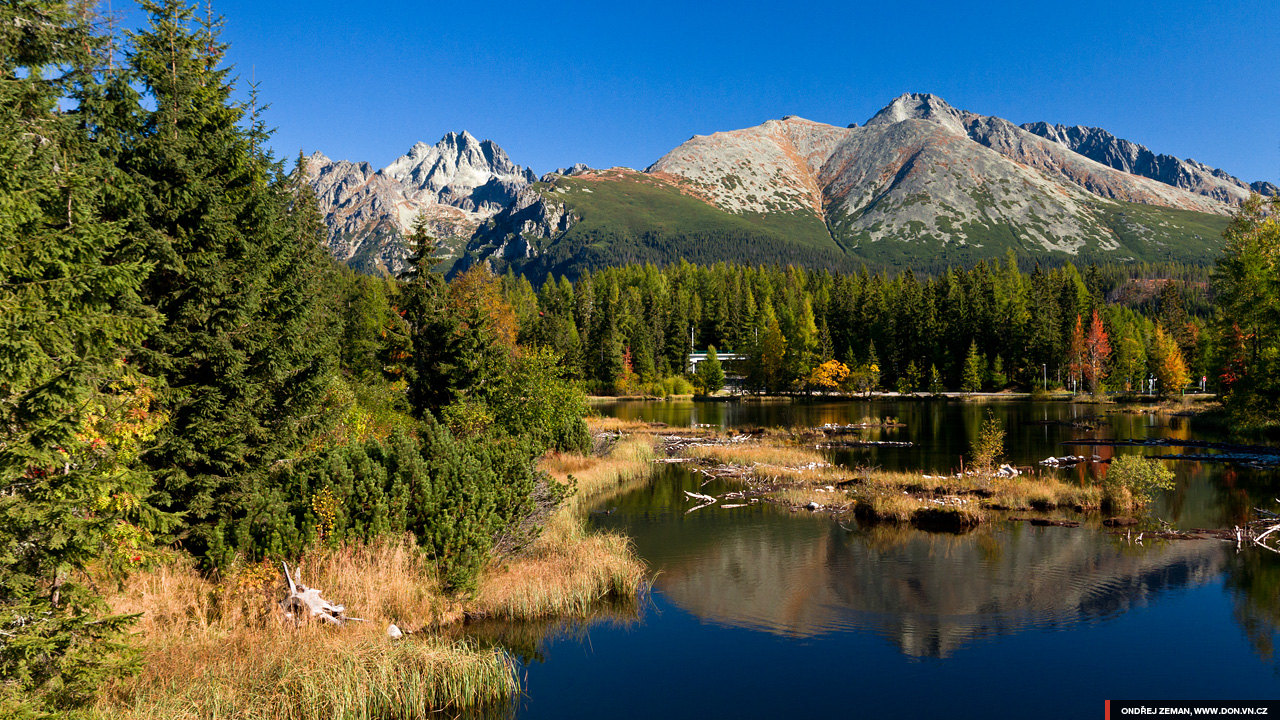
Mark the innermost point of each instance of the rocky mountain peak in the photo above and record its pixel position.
(456, 185)
(919, 106)
(921, 176)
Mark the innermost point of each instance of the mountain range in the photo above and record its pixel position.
(921, 183)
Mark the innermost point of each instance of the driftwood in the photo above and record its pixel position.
(1255, 456)
(706, 501)
(304, 602)
(863, 443)
(1258, 539)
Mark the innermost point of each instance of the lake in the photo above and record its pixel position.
(763, 612)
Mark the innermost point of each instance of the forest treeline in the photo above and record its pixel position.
(1129, 328)
(184, 369)
(625, 329)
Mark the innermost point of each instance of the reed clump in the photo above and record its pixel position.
(834, 499)
(948, 513)
(568, 571)
(596, 477)
(603, 424)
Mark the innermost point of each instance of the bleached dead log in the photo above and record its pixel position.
(306, 602)
(699, 507)
(697, 496)
(1259, 539)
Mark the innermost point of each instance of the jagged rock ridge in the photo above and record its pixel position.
(456, 184)
(1101, 146)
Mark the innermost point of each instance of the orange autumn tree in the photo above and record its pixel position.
(1097, 349)
(475, 297)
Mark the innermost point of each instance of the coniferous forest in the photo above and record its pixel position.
(184, 369)
(1113, 328)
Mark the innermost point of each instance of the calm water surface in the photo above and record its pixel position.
(760, 612)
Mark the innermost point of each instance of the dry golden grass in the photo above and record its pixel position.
(221, 650)
(567, 573)
(1044, 494)
(899, 508)
(836, 500)
(628, 461)
(896, 496)
(612, 424)
(775, 463)
(890, 507)
(771, 454)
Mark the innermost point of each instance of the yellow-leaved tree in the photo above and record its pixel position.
(828, 376)
(1170, 367)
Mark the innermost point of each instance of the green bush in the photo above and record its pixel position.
(455, 496)
(535, 400)
(468, 418)
(1132, 481)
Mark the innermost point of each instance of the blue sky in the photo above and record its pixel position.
(608, 84)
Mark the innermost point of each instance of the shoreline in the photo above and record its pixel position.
(1189, 400)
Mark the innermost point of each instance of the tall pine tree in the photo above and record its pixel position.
(247, 343)
(73, 412)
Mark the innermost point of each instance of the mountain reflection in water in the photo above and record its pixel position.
(928, 593)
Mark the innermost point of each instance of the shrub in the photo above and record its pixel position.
(1132, 481)
(467, 418)
(989, 447)
(535, 399)
(455, 496)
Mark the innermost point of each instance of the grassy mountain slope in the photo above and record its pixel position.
(624, 217)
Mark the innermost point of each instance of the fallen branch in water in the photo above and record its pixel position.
(699, 507)
(697, 496)
(1259, 539)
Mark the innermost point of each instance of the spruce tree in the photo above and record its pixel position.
(424, 297)
(975, 369)
(711, 373)
(247, 339)
(74, 413)
(935, 381)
